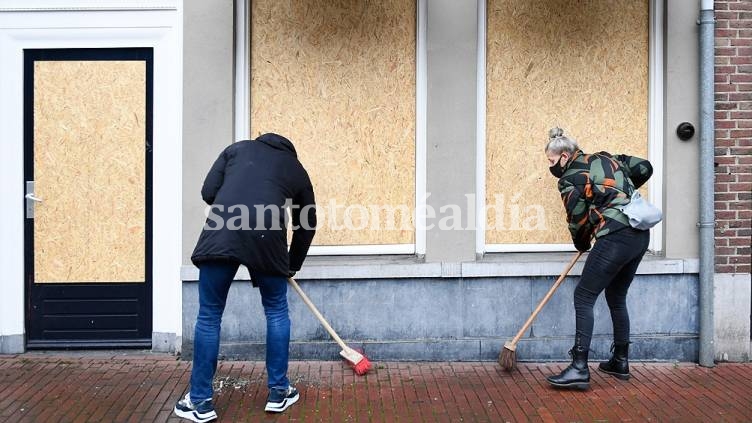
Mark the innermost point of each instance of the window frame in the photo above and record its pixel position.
(655, 135)
(242, 121)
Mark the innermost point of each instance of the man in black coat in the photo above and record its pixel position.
(248, 189)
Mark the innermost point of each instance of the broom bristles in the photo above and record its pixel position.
(508, 357)
(359, 362)
(362, 367)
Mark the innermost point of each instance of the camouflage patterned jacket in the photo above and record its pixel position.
(593, 188)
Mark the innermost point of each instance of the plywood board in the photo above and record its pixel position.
(338, 79)
(582, 66)
(89, 167)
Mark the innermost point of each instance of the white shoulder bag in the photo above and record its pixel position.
(642, 215)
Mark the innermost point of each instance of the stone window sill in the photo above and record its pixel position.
(491, 265)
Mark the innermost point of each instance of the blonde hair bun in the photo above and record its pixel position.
(558, 142)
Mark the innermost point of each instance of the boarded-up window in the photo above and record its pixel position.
(582, 66)
(89, 167)
(338, 79)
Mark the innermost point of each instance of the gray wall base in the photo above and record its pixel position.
(12, 344)
(732, 310)
(456, 319)
(664, 348)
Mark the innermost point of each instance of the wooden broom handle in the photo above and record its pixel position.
(545, 299)
(316, 313)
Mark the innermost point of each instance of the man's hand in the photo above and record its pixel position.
(582, 246)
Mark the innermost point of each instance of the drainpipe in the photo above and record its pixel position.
(707, 179)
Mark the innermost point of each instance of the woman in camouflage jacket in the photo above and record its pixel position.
(594, 188)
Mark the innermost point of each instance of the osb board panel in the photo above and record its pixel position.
(338, 79)
(582, 66)
(89, 167)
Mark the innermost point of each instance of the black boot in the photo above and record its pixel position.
(577, 375)
(618, 366)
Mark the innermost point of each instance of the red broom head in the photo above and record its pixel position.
(357, 360)
(362, 367)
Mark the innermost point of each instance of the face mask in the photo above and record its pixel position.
(557, 169)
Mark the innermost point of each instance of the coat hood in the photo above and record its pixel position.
(277, 141)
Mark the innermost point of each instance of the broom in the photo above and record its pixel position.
(359, 362)
(508, 356)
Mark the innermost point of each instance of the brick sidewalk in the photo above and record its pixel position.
(118, 387)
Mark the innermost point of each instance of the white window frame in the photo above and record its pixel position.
(655, 136)
(243, 114)
(43, 24)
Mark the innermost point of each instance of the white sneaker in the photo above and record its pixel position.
(280, 399)
(200, 413)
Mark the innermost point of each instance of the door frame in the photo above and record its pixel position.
(125, 290)
(40, 24)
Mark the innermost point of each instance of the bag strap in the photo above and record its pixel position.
(624, 170)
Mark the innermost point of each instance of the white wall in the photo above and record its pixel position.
(88, 24)
(681, 181)
(208, 99)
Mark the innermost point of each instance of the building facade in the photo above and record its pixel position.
(422, 124)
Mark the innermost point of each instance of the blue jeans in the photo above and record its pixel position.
(610, 266)
(214, 283)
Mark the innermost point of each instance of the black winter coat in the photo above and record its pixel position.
(257, 177)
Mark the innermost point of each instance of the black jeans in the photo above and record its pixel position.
(611, 265)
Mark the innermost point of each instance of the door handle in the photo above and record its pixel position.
(31, 197)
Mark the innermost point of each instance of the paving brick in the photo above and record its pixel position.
(143, 388)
